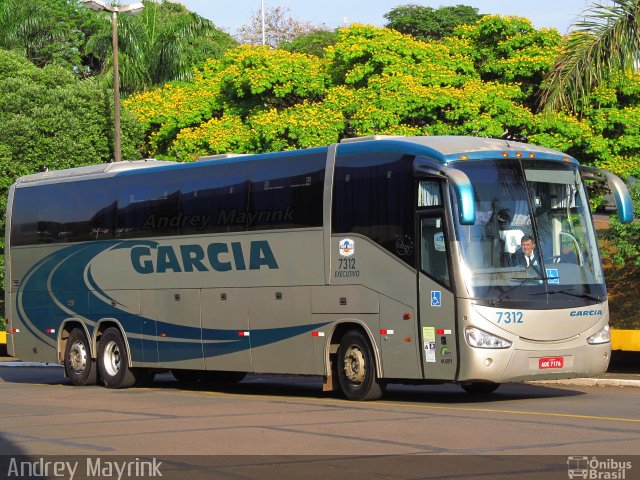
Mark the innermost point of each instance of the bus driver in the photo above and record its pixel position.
(525, 257)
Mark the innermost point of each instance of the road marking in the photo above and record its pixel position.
(433, 407)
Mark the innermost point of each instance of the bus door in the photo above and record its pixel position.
(436, 301)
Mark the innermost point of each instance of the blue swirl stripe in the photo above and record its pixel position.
(44, 301)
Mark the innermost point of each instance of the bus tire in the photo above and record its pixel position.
(79, 367)
(479, 388)
(357, 368)
(113, 362)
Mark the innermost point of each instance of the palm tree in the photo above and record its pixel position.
(163, 43)
(44, 31)
(605, 44)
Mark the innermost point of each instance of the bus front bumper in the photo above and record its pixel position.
(517, 365)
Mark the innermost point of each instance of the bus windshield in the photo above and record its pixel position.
(533, 243)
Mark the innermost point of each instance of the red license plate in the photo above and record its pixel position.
(551, 362)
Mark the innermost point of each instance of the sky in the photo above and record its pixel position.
(230, 15)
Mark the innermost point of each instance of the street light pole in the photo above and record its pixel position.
(264, 41)
(117, 132)
(100, 6)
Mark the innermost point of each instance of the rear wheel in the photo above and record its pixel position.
(480, 388)
(357, 369)
(113, 361)
(79, 367)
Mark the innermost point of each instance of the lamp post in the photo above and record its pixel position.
(114, 9)
(264, 41)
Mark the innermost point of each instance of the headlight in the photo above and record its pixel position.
(603, 336)
(481, 339)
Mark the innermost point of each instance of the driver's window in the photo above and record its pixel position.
(433, 249)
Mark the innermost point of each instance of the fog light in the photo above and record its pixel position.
(488, 362)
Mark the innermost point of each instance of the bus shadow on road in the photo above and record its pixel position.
(292, 386)
(311, 387)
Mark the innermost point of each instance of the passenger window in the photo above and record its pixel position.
(148, 209)
(287, 192)
(374, 196)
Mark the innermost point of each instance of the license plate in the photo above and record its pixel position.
(552, 362)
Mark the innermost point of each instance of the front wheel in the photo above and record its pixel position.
(357, 369)
(113, 361)
(79, 367)
(480, 388)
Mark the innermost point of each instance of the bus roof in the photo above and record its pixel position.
(449, 148)
(446, 149)
(92, 170)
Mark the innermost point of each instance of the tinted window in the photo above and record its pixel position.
(373, 197)
(283, 191)
(148, 205)
(215, 199)
(287, 192)
(64, 212)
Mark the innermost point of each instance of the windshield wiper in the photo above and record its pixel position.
(501, 297)
(569, 291)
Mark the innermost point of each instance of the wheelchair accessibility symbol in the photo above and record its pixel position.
(436, 298)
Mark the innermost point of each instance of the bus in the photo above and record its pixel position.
(373, 261)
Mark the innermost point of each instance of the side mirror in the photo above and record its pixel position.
(619, 189)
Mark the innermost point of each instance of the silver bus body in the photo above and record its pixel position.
(386, 259)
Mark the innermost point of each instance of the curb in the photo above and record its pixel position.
(590, 382)
(29, 364)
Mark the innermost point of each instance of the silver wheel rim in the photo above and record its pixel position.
(112, 358)
(354, 365)
(78, 357)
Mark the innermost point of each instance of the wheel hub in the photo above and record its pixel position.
(354, 365)
(78, 357)
(112, 358)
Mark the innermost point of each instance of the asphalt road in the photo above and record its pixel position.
(43, 414)
(286, 428)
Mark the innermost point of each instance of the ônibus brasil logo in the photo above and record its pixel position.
(597, 469)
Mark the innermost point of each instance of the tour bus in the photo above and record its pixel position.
(373, 261)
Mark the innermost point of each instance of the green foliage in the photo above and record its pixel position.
(312, 43)
(426, 23)
(259, 77)
(626, 237)
(509, 50)
(44, 31)
(230, 97)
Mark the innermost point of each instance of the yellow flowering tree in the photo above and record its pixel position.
(481, 81)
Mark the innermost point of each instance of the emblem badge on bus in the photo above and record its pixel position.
(347, 247)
